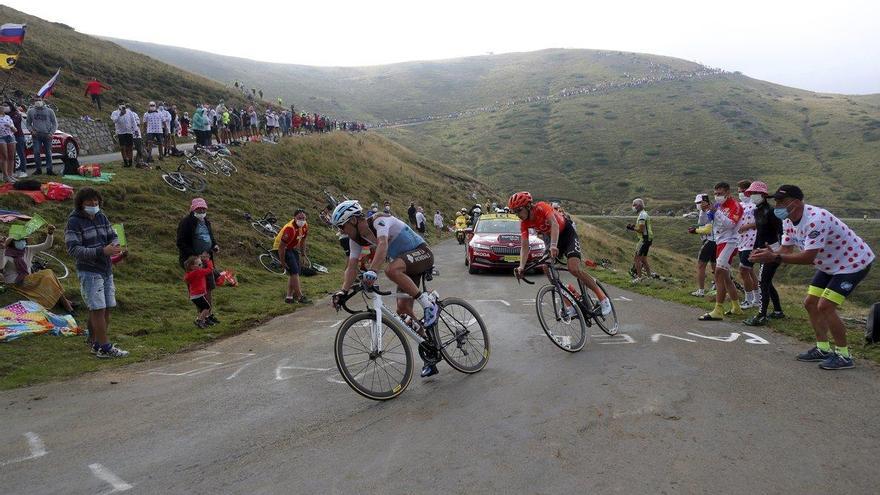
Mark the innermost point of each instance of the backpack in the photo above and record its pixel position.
(872, 328)
(71, 166)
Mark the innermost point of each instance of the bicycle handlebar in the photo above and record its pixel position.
(343, 299)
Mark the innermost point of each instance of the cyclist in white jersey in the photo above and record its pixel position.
(393, 240)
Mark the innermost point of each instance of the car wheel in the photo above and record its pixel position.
(466, 261)
(71, 150)
(472, 270)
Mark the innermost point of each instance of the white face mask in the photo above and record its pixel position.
(300, 223)
(720, 199)
(698, 207)
(39, 104)
(20, 244)
(757, 199)
(743, 198)
(200, 216)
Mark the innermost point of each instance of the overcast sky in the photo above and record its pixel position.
(830, 46)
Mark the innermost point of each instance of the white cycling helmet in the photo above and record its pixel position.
(344, 211)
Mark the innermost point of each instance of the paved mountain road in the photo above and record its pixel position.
(670, 406)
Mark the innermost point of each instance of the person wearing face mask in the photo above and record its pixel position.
(643, 228)
(727, 214)
(7, 142)
(43, 124)
(707, 248)
(126, 123)
(17, 121)
(41, 287)
(768, 234)
(91, 241)
(746, 243)
(420, 220)
(290, 244)
(841, 260)
(195, 237)
(154, 123)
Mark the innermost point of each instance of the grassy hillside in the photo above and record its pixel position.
(416, 89)
(668, 140)
(155, 316)
(134, 77)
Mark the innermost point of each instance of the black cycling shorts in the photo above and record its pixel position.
(707, 252)
(125, 139)
(643, 247)
(569, 244)
(417, 261)
(836, 288)
(744, 259)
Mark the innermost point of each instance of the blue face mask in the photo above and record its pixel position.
(20, 244)
(92, 210)
(781, 213)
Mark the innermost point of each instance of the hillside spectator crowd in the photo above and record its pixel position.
(657, 73)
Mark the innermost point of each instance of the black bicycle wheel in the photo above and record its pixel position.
(197, 165)
(376, 375)
(261, 228)
(270, 263)
(566, 331)
(608, 323)
(464, 341)
(174, 181)
(193, 182)
(226, 167)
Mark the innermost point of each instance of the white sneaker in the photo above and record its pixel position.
(21, 175)
(635, 280)
(698, 293)
(606, 306)
(746, 305)
(114, 352)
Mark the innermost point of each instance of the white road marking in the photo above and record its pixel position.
(626, 339)
(335, 323)
(502, 301)
(755, 339)
(622, 298)
(656, 337)
(733, 336)
(282, 365)
(201, 366)
(35, 443)
(110, 478)
(245, 365)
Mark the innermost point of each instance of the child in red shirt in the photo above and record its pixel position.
(197, 268)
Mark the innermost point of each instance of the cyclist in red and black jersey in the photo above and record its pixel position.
(559, 235)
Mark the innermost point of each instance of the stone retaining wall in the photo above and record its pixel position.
(94, 138)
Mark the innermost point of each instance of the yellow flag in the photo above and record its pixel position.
(7, 61)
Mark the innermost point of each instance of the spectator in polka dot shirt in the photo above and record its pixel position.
(841, 259)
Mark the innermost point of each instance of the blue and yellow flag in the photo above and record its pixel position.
(8, 61)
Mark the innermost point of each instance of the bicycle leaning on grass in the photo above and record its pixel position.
(565, 313)
(373, 356)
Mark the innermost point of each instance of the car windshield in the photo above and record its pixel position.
(497, 227)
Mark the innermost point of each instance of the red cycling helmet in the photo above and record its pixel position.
(518, 200)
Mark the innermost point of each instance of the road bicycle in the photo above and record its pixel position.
(373, 356)
(184, 181)
(213, 161)
(266, 225)
(44, 261)
(270, 261)
(565, 313)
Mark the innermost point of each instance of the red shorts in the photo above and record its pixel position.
(725, 252)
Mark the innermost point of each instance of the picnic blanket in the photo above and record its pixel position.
(37, 196)
(104, 177)
(7, 216)
(29, 318)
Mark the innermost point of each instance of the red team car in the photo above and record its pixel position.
(494, 243)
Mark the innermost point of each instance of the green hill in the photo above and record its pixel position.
(652, 126)
(666, 141)
(134, 77)
(154, 315)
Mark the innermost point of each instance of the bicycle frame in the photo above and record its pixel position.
(382, 311)
(552, 270)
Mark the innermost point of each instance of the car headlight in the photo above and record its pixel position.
(478, 245)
